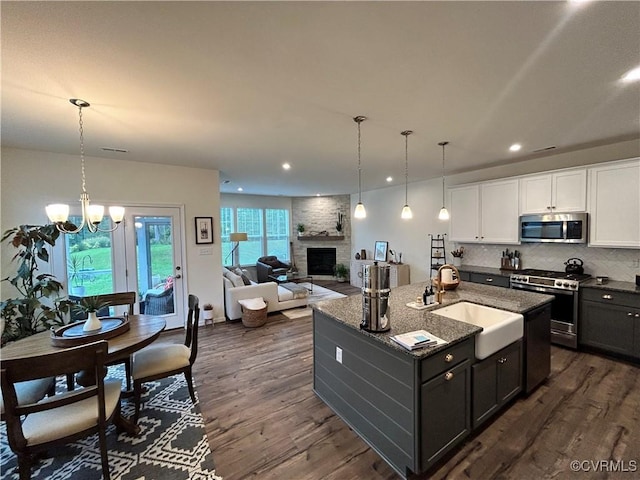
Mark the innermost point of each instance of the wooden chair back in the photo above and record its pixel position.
(121, 298)
(193, 319)
(89, 357)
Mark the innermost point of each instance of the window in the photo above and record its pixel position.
(267, 233)
(89, 260)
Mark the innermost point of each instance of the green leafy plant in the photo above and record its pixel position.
(76, 267)
(341, 271)
(90, 304)
(300, 228)
(39, 305)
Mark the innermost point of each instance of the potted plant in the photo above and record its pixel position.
(90, 306)
(300, 228)
(207, 312)
(39, 304)
(76, 276)
(457, 256)
(341, 272)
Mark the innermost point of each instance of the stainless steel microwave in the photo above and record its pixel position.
(554, 228)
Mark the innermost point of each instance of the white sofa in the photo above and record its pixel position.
(278, 297)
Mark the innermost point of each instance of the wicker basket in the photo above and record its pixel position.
(254, 318)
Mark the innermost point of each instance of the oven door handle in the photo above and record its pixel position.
(550, 291)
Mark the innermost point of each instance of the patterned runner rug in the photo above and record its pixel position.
(172, 445)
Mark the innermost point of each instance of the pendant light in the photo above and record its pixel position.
(406, 210)
(58, 213)
(360, 211)
(444, 213)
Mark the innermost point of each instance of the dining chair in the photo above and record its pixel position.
(31, 391)
(114, 300)
(162, 360)
(60, 419)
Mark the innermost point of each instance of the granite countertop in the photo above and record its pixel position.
(628, 287)
(485, 270)
(348, 311)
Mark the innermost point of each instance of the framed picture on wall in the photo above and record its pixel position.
(204, 230)
(380, 252)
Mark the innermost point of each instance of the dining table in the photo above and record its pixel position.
(143, 330)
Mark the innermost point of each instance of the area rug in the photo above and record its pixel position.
(171, 446)
(319, 293)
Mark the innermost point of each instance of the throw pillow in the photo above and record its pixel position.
(235, 279)
(243, 274)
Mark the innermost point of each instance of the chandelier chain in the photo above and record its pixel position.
(359, 168)
(406, 169)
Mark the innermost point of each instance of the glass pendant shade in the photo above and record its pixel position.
(360, 211)
(57, 212)
(444, 214)
(407, 214)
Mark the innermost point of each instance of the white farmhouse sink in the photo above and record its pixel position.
(499, 327)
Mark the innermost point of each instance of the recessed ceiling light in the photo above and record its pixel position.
(515, 147)
(389, 179)
(240, 189)
(631, 75)
(286, 166)
(318, 195)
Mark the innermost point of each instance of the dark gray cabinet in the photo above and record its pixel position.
(610, 321)
(409, 409)
(536, 347)
(445, 404)
(496, 380)
(490, 279)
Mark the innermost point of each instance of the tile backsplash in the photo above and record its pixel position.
(620, 264)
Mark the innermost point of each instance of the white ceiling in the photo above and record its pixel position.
(244, 86)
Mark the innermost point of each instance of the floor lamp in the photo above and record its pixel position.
(235, 237)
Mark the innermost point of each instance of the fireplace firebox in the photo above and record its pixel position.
(321, 261)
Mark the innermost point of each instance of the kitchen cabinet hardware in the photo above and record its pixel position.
(488, 280)
(448, 358)
(607, 297)
(448, 376)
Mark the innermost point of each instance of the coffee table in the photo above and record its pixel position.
(293, 279)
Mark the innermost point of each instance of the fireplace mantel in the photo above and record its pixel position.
(321, 238)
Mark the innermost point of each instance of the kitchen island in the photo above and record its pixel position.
(413, 407)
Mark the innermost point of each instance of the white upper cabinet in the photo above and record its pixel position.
(464, 206)
(499, 213)
(486, 212)
(614, 205)
(564, 191)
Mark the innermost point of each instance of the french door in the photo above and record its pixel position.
(153, 259)
(144, 256)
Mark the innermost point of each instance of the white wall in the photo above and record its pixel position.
(410, 237)
(31, 179)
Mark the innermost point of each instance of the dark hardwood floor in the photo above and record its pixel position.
(264, 421)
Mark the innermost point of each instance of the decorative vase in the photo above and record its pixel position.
(93, 323)
(457, 261)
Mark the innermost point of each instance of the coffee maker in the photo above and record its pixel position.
(375, 298)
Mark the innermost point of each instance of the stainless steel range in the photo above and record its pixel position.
(564, 309)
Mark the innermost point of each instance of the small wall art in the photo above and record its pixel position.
(380, 251)
(204, 230)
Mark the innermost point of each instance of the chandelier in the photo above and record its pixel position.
(92, 215)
